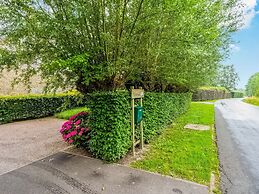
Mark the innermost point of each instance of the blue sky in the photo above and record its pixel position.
(245, 52)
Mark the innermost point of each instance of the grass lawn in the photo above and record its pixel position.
(185, 153)
(252, 100)
(68, 113)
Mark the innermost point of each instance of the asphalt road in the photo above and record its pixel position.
(65, 173)
(237, 126)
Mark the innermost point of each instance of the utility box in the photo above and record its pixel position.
(139, 111)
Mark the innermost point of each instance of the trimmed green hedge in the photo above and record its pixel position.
(161, 109)
(110, 119)
(13, 108)
(211, 93)
(237, 94)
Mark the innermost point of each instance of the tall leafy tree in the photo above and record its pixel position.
(227, 77)
(252, 87)
(101, 44)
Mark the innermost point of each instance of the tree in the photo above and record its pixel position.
(102, 44)
(252, 87)
(227, 77)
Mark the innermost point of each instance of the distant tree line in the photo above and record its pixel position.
(162, 45)
(227, 77)
(252, 87)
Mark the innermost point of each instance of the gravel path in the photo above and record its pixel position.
(26, 141)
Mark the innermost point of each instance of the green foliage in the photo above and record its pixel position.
(237, 94)
(185, 153)
(110, 119)
(110, 125)
(100, 44)
(211, 93)
(252, 87)
(252, 100)
(162, 108)
(69, 113)
(23, 107)
(226, 77)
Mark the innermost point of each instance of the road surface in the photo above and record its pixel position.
(31, 163)
(237, 126)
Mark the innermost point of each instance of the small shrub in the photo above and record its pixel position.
(76, 131)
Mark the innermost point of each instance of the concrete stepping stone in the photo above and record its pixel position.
(197, 127)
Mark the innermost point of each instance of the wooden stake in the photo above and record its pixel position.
(141, 127)
(133, 123)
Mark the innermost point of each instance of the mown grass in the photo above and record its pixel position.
(185, 153)
(252, 100)
(68, 113)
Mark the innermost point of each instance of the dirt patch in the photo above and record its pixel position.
(129, 158)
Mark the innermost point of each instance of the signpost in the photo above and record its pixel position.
(137, 117)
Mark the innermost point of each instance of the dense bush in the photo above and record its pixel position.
(110, 119)
(110, 124)
(35, 106)
(76, 131)
(211, 93)
(237, 94)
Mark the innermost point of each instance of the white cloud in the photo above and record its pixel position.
(234, 48)
(248, 12)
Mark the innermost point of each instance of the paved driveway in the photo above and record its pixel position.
(237, 126)
(27, 167)
(24, 142)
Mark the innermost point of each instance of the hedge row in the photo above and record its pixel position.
(237, 94)
(110, 119)
(211, 93)
(13, 108)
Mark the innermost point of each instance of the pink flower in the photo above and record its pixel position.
(70, 141)
(68, 135)
(80, 133)
(67, 123)
(68, 127)
(73, 117)
(65, 137)
(61, 130)
(78, 122)
(73, 133)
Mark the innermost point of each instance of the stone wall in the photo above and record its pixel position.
(6, 88)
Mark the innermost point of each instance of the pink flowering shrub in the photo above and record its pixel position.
(75, 131)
